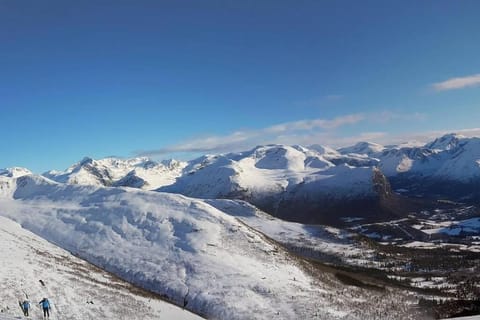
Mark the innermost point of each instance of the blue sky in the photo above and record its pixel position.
(181, 78)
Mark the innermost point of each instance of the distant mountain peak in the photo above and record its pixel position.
(140, 172)
(363, 147)
(14, 172)
(85, 161)
(323, 150)
(446, 142)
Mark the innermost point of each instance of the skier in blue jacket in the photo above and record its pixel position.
(46, 307)
(25, 307)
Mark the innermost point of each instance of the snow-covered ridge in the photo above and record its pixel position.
(291, 182)
(193, 253)
(451, 157)
(274, 170)
(76, 289)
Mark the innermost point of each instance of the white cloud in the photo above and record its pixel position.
(315, 124)
(388, 116)
(303, 132)
(280, 133)
(457, 83)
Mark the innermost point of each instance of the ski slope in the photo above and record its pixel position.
(76, 289)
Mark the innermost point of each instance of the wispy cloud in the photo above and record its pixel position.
(306, 125)
(389, 116)
(281, 133)
(303, 132)
(457, 83)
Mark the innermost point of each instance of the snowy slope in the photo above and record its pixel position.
(313, 240)
(76, 289)
(189, 251)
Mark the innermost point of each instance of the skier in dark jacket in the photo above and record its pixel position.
(46, 307)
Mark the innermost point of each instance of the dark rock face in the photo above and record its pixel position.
(321, 208)
(130, 180)
(382, 204)
(101, 174)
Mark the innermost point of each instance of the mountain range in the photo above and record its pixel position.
(315, 184)
(194, 232)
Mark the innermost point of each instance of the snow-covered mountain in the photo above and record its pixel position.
(291, 182)
(14, 172)
(366, 148)
(447, 166)
(451, 157)
(188, 251)
(32, 268)
(137, 172)
(310, 184)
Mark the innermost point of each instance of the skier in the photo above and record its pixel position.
(46, 307)
(25, 307)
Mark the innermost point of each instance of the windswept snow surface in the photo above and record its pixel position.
(76, 289)
(191, 252)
